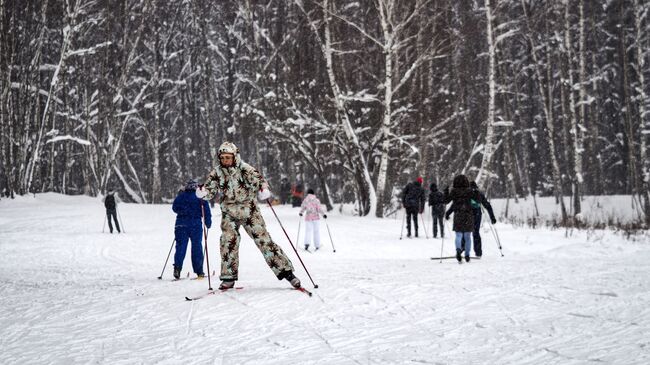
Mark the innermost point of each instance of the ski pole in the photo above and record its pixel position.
(104, 225)
(401, 233)
(170, 252)
(442, 244)
(426, 234)
(298, 236)
(330, 233)
(291, 243)
(205, 236)
(444, 223)
(496, 236)
(121, 222)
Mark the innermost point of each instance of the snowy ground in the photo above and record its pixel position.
(73, 295)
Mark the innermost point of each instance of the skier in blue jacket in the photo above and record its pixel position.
(188, 227)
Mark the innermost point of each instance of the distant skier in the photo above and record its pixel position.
(311, 205)
(241, 184)
(437, 204)
(297, 194)
(111, 210)
(187, 207)
(413, 202)
(461, 197)
(285, 191)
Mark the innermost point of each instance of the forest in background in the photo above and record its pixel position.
(355, 98)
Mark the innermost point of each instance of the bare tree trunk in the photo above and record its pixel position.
(5, 84)
(576, 127)
(547, 102)
(629, 127)
(384, 11)
(366, 188)
(643, 123)
(488, 149)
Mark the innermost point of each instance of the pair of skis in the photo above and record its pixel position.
(212, 292)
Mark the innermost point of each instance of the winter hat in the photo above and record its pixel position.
(191, 185)
(420, 180)
(310, 191)
(228, 147)
(460, 182)
(433, 187)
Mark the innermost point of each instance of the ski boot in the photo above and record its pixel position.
(227, 284)
(295, 282)
(177, 272)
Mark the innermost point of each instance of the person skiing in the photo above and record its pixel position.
(111, 210)
(285, 191)
(189, 209)
(478, 215)
(413, 202)
(311, 205)
(297, 193)
(461, 196)
(436, 202)
(240, 184)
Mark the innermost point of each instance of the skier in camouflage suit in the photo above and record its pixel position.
(240, 184)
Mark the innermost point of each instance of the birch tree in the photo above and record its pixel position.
(488, 149)
(546, 96)
(640, 14)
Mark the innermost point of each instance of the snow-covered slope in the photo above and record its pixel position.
(71, 294)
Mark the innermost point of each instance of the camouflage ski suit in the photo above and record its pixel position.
(238, 186)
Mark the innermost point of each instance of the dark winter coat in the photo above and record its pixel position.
(461, 199)
(109, 202)
(187, 207)
(436, 201)
(485, 203)
(285, 188)
(413, 197)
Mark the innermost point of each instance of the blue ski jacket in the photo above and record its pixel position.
(187, 207)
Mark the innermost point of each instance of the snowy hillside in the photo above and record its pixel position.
(71, 294)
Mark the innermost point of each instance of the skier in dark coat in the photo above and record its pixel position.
(437, 204)
(461, 196)
(413, 202)
(285, 191)
(478, 215)
(111, 210)
(187, 207)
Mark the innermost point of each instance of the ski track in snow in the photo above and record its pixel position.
(73, 295)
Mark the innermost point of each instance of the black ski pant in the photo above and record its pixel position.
(411, 213)
(438, 219)
(476, 234)
(112, 213)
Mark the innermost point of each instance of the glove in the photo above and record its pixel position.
(201, 192)
(493, 220)
(325, 216)
(263, 194)
(447, 216)
(300, 214)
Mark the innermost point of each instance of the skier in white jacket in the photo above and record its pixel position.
(311, 205)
